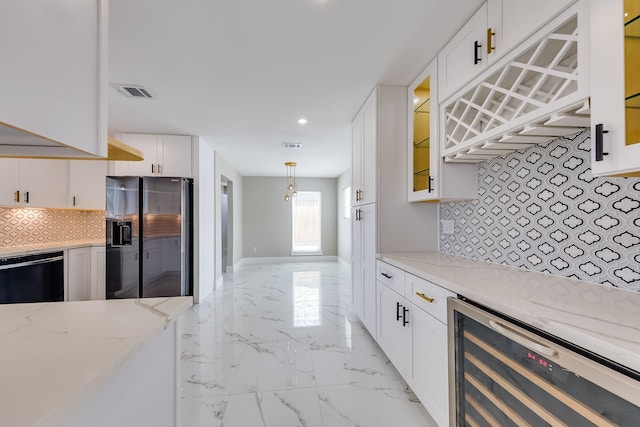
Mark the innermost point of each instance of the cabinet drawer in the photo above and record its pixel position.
(428, 296)
(391, 276)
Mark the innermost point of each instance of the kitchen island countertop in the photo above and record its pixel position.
(602, 319)
(54, 355)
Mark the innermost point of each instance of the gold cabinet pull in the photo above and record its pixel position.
(17, 196)
(490, 46)
(424, 297)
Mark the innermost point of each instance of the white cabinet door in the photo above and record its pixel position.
(87, 184)
(370, 145)
(364, 136)
(9, 181)
(357, 276)
(464, 56)
(513, 20)
(393, 326)
(368, 223)
(44, 183)
(356, 159)
(78, 269)
(427, 368)
(148, 145)
(364, 265)
(98, 272)
(54, 70)
(174, 155)
(615, 128)
(429, 177)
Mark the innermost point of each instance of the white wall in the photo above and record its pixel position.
(344, 224)
(267, 216)
(222, 168)
(204, 219)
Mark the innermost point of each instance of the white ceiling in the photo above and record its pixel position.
(241, 72)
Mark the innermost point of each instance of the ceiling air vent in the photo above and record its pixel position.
(134, 91)
(292, 145)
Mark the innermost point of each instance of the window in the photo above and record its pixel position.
(346, 202)
(306, 219)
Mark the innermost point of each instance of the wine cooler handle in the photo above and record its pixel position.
(522, 339)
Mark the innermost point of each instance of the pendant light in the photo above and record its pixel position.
(291, 189)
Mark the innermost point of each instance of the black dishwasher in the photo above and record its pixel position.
(32, 278)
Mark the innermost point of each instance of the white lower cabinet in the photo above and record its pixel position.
(413, 334)
(393, 326)
(78, 274)
(426, 372)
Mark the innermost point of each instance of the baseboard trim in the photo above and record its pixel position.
(306, 258)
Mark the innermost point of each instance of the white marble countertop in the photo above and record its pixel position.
(599, 318)
(52, 355)
(9, 251)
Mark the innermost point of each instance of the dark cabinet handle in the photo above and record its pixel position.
(26, 197)
(405, 321)
(388, 276)
(398, 305)
(74, 200)
(600, 131)
(153, 168)
(430, 188)
(476, 52)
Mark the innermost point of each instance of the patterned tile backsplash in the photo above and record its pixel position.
(24, 226)
(541, 209)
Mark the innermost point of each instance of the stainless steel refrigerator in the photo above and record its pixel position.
(149, 229)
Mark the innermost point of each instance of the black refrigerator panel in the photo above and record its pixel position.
(164, 238)
(122, 237)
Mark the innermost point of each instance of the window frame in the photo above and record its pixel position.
(294, 250)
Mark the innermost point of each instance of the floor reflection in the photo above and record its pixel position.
(306, 298)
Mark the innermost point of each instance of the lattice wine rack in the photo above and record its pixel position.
(533, 96)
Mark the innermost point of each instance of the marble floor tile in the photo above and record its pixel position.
(279, 346)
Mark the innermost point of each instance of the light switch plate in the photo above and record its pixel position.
(448, 226)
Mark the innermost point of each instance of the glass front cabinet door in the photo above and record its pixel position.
(615, 87)
(429, 177)
(423, 137)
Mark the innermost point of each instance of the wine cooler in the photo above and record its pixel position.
(505, 373)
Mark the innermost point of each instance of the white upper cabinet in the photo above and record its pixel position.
(495, 29)
(9, 181)
(429, 177)
(615, 87)
(164, 155)
(53, 77)
(534, 94)
(87, 184)
(364, 156)
(511, 21)
(464, 56)
(43, 183)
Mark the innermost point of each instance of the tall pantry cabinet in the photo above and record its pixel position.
(382, 218)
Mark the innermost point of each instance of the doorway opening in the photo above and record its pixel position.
(226, 224)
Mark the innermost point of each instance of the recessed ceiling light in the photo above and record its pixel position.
(302, 121)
